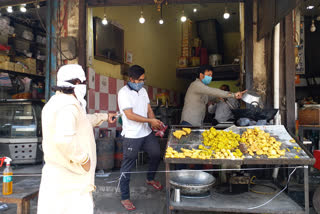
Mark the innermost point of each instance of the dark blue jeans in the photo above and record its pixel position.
(185, 123)
(131, 147)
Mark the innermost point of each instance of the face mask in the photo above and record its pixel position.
(206, 80)
(136, 86)
(80, 91)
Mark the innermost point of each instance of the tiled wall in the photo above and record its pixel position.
(102, 97)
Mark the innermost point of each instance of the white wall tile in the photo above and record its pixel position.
(104, 84)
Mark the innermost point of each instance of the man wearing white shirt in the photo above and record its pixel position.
(137, 114)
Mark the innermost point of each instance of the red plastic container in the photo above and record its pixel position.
(316, 154)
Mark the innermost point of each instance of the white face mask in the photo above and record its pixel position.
(80, 91)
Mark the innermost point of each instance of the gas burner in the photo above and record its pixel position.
(203, 195)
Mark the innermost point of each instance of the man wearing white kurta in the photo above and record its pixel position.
(69, 147)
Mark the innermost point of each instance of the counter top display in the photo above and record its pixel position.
(264, 145)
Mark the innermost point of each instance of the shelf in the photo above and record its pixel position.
(308, 86)
(221, 72)
(113, 62)
(238, 203)
(22, 74)
(29, 41)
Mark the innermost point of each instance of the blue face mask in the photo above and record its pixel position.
(206, 80)
(136, 86)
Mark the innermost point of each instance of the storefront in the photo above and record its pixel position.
(22, 79)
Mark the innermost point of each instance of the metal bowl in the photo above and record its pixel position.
(192, 182)
(251, 97)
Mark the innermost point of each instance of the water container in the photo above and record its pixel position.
(105, 150)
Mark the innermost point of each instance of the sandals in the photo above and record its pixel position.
(128, 205)
(155, 184)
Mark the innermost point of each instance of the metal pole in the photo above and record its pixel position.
(48, 45)
(306, 189)
(168, 199)
(53, 65)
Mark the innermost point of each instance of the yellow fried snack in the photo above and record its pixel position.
(177, 135)
(187, 130)
(224, 144)
(261, 143)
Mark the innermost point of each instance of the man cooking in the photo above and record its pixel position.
(222, 110)
(198, 95)
(134, 104)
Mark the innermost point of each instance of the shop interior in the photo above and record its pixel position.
(308, 74)
(170, 41)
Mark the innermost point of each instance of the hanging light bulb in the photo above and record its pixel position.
(9, 9)
(226, 14)
(161, 19)
(183, 17)
(195, 10)
(104, 20)
(23, 8)
(313, 27)
(142, 19)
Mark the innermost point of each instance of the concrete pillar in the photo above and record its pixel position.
(259, 67)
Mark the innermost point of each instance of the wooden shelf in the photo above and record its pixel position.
(308, 86)
(23, 74)
(111, 61)
(221, 72)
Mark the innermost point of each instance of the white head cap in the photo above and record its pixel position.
(69, 72)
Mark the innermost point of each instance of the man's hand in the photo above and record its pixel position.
(155, 124)
(239, 94)
(112, 117)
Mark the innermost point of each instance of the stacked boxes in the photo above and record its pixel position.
(186, 38)
(29, 65)
(5, 63)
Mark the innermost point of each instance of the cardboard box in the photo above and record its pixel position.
(9, 66)
(309, 116)
(30, 63)
(19, 68)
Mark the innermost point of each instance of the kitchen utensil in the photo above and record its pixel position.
(192, 182)
(258, 114)
(215, 59)
(252, 98)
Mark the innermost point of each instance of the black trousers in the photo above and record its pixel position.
(131, 147)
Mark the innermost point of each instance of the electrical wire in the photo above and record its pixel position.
(258, 192)
(52, 37)
(267, 202)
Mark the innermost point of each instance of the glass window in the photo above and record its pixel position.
(17, 120)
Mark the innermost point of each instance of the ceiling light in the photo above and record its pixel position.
(142, 19)
(310, 7)
(161, 21)
(9, 9)
(38, 6)
(183, 17)
(313, 27)
(104, 21)
(195, 10)
(226, 14)
(23, 8)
